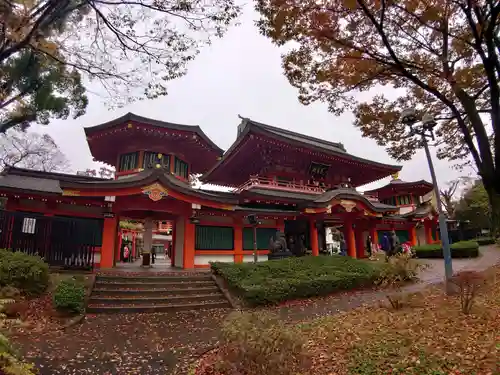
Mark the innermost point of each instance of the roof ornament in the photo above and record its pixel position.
(395, 176)
(155, 192)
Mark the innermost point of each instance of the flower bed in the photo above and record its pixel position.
(293, 278)
(462, 249)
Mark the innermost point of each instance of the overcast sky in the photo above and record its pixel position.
(239, 74)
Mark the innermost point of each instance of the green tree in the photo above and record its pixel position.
(443, 57)
(36, 88)
(130, 47)
(474, 207)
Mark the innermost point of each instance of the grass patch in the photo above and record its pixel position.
(462, 249)
(293, 278)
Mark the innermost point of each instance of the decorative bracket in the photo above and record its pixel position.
(155, 192)
(348, 205)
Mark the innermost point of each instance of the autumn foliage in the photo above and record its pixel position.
(441, 57)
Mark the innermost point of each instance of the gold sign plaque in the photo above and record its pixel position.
(348, 205)
(155, 192)
(71, 193)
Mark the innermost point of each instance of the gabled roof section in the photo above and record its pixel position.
(292, 136)
(248, 127)
(421, 187)
(131, 117)
(147, 177)
(349, 194)
(38, 181)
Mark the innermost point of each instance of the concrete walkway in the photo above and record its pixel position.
(490, 256)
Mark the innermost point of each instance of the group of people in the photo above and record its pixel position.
(390, 244)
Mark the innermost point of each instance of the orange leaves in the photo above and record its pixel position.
(350, 4)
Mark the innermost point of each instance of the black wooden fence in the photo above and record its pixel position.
(65, 242)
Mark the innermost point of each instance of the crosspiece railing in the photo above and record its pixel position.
(269, 183)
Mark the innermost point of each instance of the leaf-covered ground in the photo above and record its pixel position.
(123, 344)
(428, 336)
(149, 344)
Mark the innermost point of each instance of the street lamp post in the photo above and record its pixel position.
(426, 130)
(252, 220)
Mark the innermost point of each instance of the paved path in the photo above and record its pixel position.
(151, 344)
(490, 255)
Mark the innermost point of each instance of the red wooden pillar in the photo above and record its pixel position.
(189, 233)
(350, 239)
(134, 235)
(413, 235)
(281, 225)
(360, 245)
(172, 251)
(428, 232)
(119, 240)
(109, 240)
(374, 233)
(314, 237)
(238, 240)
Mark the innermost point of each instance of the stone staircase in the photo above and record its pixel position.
(159, 293)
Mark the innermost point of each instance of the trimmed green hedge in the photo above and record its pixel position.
(483, 241)
(28, 273)
(293, 278)
(462, 249)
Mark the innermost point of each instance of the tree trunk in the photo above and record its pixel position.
(493, 191)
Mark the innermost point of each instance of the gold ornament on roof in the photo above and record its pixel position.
(395, 176)
(155, 192)
(348, 205)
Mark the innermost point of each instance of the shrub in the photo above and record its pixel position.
(260, 343)
(293, 278)
(399, 268)
(468, 283)
(9, 292)
(483, 241)
(28, 273)
(69, 296)
(462, 249)
(10, 365)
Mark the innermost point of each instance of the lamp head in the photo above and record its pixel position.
(409, 116)
(252, 219)
(428, 121)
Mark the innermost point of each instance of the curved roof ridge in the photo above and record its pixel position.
(324, 146)
(129, 116)
(398, 181)
(338, 145)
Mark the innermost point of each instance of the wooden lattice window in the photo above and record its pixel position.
(128, 161)
(181, 168)
(209, 237)
(263, 236)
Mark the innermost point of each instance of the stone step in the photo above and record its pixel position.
(106, 309)
(148, 300)
(100, 284)
(153, 278)
(158, 292)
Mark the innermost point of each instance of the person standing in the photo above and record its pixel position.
(369, 246)
(153, 254)
(343, 245)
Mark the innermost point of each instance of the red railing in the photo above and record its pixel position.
(269, 183)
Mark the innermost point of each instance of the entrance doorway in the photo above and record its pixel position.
(133, 235)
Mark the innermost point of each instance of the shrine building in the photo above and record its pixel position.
(288, 181)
